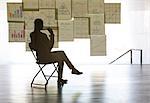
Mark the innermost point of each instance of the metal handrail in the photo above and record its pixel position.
(130, 55)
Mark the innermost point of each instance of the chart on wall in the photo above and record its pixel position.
(16, 32)
(48, 16)
(74, 19)
(98, 45)
(29, 17)
(81, 27)
(97, 26)
(112, 13)
(30, 4)
(64, 9)
(95, 6)
(45, 4)
(79, 8)
(65, 30)
(15, 12)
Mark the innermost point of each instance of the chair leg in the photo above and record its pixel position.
(51, 74)
(59, 84)
(46, 85)
(47, 79)
(35, 77)
(38, 73)
(56, 67)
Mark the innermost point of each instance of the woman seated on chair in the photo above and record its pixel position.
(43, 46)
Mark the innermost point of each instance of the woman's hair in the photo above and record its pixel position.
(38, 24)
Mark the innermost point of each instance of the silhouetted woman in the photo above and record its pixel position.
(43, 46)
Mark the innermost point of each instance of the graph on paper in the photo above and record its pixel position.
(15, 12)
(44, 4)
(64, 9)
(16, 32)
(30, 4)
(112, 12)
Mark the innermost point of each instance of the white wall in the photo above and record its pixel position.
(133, 32)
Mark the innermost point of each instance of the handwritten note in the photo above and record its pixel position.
(44, 4)
(64, 9)
(112, 12)
(30, 4)
(29, 17)
(95, 6)
(65, 30)
(79, 8)
(48, 16)
(81, 27)
(97, 26)
(98, 45)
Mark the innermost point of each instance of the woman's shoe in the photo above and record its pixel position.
(62, 81)
(75, 71)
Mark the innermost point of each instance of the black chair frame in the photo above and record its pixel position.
(41, 66)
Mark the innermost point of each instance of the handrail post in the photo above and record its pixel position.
(141, 57)
(131, 56)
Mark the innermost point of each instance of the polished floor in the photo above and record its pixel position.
(98, 84)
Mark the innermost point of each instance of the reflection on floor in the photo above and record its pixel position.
(98, 84)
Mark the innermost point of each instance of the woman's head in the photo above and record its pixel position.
(38, 24)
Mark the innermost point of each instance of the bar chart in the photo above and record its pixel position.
(15, 12)
(16, 32)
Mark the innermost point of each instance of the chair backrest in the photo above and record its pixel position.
(33, 51)
(34, 54)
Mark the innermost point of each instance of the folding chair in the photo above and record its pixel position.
(41, 66)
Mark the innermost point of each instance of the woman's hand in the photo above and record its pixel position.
(50, 30)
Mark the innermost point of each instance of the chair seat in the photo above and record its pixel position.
(43, 62)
